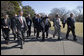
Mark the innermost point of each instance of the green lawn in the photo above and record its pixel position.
(78, 28)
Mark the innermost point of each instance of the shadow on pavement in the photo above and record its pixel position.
(4, 47)
(33, 39)
(63, 35)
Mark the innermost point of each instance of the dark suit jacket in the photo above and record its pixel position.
(13, 22)
(33, 19)
(3, 24)
(70, 22)
(18, 24)
(38, 24)
(28, 20)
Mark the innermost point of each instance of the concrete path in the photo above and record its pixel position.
(51, 46)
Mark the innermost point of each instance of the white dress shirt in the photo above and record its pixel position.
(22, 21)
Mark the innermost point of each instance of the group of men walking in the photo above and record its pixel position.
(20, 25)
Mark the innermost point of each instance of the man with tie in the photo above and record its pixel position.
(34, 23)
(21, 28)
(5, 25)
(71, 26)
(38, 25)
(29, 22)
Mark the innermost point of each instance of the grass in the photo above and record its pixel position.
(78, 28)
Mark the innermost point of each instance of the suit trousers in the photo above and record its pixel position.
(57, 30)
(73, 32)
(43, 33)
(14, 32)
(5, 33)
(38, 31)
(29, 31)
(34, 30)
(21, 34)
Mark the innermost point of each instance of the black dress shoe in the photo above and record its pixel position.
(42, 39)
(21, 47)
(46, 37)
(53, 36)
(7, 43)
(23, 39)
(14, 38)
(67, 38)
(75, 39)
(37, 38)
(27, 36)
(58, 38)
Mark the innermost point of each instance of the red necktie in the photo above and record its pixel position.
(20, 21)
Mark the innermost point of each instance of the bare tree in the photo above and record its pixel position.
(42, 14)
(80, 8)
(61, 11)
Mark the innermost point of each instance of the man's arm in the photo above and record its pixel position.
(59, 22)
(25, 24)
(9, 24)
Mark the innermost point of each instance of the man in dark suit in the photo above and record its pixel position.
(29, 22)
(13, 25)
(38, 25)
(34, 23)
(47, 25)
(63, 22)
(71, 26)
(5, 25)
(21, 27)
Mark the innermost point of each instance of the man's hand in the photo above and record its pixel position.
(16, 30)
(6, 26)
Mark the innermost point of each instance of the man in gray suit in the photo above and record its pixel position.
(21, 27)
(57, 26)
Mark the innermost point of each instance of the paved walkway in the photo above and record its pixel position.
(51, 46)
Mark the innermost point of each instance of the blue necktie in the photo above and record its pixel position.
(38, 20)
